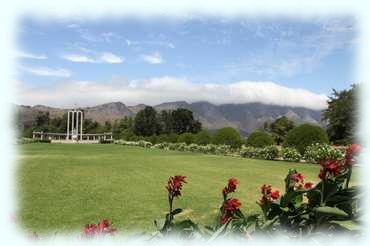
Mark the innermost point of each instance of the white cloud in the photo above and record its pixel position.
(45, 71)
(27, 55)
(154, 58)
(78, 58)
(105, 57)
(165, 89)
(111, 58)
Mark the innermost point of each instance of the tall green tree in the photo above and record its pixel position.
(119, 126)
(146, 122)
(42, 121)
(166, 121)
(342, 114)
(279, 128)
(90, 126)
(183, 121)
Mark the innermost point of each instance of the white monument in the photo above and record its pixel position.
(74, 133)
(74, 125)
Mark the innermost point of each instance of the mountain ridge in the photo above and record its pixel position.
(246, 116)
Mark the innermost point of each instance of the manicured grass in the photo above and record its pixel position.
(63, 187)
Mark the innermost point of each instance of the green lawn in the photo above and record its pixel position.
(63, 187)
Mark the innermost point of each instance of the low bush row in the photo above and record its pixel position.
(31, 140)
(312, 154)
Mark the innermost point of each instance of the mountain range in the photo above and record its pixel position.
(245, 117)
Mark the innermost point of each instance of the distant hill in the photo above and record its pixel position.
(245, 117)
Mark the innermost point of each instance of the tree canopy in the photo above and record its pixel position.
(279, 128)
(341, 115)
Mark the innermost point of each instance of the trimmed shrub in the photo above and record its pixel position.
(248, 152)
(187, 138)
(291, 154)
(305, 135)
(144, 144)
(269, 153)
(168, 138)
(223, 149)
(318, 152)
(260, 139)
(26, 140)
(202, 138)
(161, 146)
(227, 136)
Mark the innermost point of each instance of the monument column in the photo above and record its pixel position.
(81, 123)
(77, 125)
(67, 137)
(73, 123)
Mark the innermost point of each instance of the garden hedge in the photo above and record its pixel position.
(305, 135)
(260, 139)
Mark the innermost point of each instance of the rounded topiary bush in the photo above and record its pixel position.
(305, 135)
(260, 139)
(202, 138)
(227, 136)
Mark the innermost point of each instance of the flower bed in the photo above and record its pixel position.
(313, 153)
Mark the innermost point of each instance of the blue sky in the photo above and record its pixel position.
(192, 58)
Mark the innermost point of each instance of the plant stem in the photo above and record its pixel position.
(170, 201)
(322, 192)
(349, 174)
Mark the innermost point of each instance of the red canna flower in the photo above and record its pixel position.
(233, 182)
(231, 186)
(268, 195)
(275, 195)
(266, 189)
(308, 185)
(297, 177)
(174, 185)
(351, 151)
(231, 205)
(90, 229)
(103, 226)
(333, 167)
(322, 174)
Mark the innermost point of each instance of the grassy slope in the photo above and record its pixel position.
(63, 187)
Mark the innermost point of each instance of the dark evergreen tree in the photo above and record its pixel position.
(342, 115)
(146, 122)
(279, 128)
(183, 121)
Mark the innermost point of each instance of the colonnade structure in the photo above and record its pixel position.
(74, 125)
(74, 132)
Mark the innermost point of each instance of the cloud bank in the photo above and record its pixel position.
(166, 89)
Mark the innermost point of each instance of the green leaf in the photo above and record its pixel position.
(331, 211)
(186, 225)
(159, 223)
(176, 211)
(349, 225)
(219, 232)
